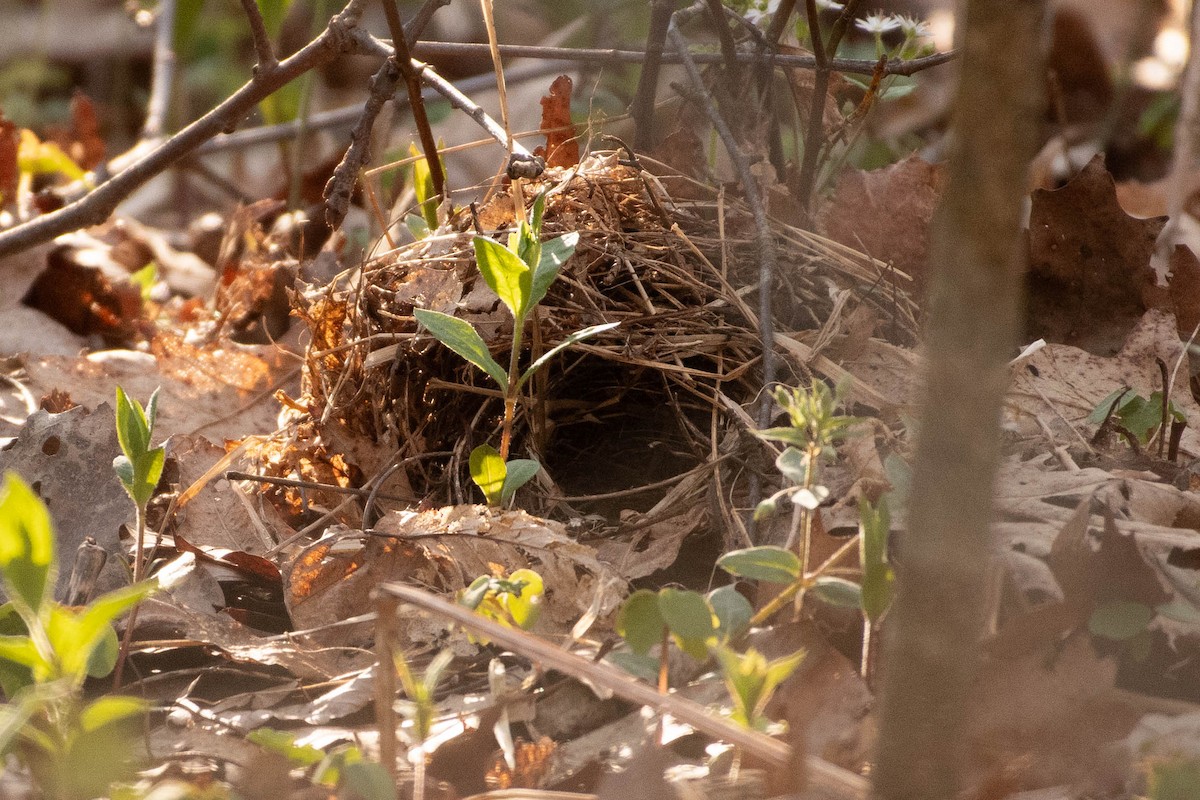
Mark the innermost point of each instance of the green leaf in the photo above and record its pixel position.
(639, 622)
(369, 780)
(764, 563)
(733, 611)
(1101, 410)
(147, 469)
(459, 336)
(518, 472)
(837, 592)
(577, 336)
(21, 650)
(554, 254)
(878, 576)
(284, 743)
(473, 595)
(689, 618)
(1120, 620)
(793, 436)
(27, 560)
(639, 665)
(35, 157)
(427, 201)
(13, 717)
(526, 607)
(488, 471)
(133, 429)
(505, 273)
(144, 279)
(766, 509)
(95, 621)
(110, 709)
(793, 465)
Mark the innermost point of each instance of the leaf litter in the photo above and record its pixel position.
(1097, 592)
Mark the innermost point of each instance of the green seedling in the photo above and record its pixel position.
(422, 224)
(1138, 418)
(140, 465)
(752, 681)
(344, 768)
(694, 622)
(515, 601)
(520, 275)
(814, 429)
(72, 749)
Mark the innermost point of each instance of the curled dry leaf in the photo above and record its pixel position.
(1090, 274)
(886, 213)
(562, 147)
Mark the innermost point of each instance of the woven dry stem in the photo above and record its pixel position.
(677, 274)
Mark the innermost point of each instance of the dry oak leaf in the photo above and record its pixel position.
(562, 146)
(886, 213)
(1089, 262)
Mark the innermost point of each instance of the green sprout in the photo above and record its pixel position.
(520, 275)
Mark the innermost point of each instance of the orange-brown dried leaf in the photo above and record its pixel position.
(84, 300)
(57, 401)
(1183, 283)
(87, 149)
(10, 142)
(533, 762)
(1089, 262)
(562, 146)
(212, 366)
(886, 213)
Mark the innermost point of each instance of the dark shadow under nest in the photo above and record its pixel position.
(639, 415)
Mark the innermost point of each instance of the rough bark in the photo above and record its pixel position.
(932, 650)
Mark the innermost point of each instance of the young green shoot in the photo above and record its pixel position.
(73, 749)
(140, 465)
(520, 274)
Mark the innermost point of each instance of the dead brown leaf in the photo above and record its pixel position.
(562, 146)
(1089, 263)
(10, 141)
(886, 213)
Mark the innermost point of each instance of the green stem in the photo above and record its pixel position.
(513, 392)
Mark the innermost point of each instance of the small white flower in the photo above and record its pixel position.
(877, 23)
(830, 5)
(914, 28)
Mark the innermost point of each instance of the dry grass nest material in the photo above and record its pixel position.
(680, 277)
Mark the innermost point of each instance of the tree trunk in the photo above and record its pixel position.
(932, 649)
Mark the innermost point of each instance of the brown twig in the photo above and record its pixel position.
(716, 13)
(762, 230)
(591, 55)
(642, 107)
(782, 14)
(412, 80)
(340, 188)
(163, 74)
(814, 138)
(263, 50)
(97, 206)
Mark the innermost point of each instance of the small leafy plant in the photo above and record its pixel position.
(140, 465)
(343, 768)
(702, 626)
(512, 601)
(520, 275)
(73, 748)
(1138, 418)
(811, 436)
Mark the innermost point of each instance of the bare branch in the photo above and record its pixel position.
(762, 230)
(642, 107)
(263, 49)
(93, 209)
(591, 55)
(163, 71)
(412, 80)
